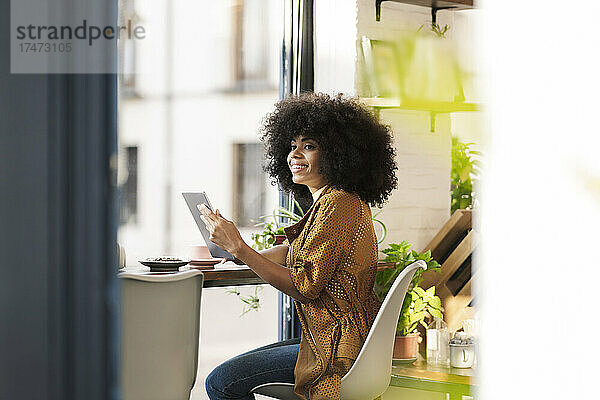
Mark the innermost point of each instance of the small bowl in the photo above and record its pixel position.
(205, 263)
(164, 264)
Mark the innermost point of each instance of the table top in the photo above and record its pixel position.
(422, 371)
(455, 382)
(230, 274)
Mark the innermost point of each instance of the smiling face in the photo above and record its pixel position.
(304, 160)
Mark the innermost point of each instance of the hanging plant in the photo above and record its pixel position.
(251, 302)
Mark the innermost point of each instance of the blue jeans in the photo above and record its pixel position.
(235, 378)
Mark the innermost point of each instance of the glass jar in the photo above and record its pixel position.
(438, 339)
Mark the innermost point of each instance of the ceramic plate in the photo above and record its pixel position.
(157, 265)
(161, 272)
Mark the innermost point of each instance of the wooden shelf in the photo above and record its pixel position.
(435, 5)
(446, 4)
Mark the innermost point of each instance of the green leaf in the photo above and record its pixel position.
(435, 302)
(419, 305)
(411, 328)
(416, 317)
(435, 313)
(392, 277)
(430, 292)
(419, 291)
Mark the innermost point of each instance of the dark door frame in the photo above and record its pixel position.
(58, 223)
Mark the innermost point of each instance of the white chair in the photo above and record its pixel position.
(160, 323)
(371, 373)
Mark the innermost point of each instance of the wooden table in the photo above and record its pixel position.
(231, 274)
(457, 382)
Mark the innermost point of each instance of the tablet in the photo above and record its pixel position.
(193, 200)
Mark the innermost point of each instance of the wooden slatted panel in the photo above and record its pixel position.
(450, 235)
(453, 247)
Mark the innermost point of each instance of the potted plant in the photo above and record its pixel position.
(273, 233)
(419, 305)
(465, 170)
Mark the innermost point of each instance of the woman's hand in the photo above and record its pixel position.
(222, 231)
(225, 235)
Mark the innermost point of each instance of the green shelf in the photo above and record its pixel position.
(433, 108)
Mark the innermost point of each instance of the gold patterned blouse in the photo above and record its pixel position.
(332, 259)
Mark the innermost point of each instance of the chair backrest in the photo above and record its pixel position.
(370, 375)
(160, 328)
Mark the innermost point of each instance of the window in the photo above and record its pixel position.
(248, 183)
(127, 50)
(251, 45)
(128, 189)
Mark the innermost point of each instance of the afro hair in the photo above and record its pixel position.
(357, 154)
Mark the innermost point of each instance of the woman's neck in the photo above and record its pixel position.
(316, 188)
(317, 192)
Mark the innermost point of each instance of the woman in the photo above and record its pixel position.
(335, 151)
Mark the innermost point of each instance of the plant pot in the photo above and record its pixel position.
(406, 347)
(279, 239)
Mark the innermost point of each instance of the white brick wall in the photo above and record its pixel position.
(421, 204)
